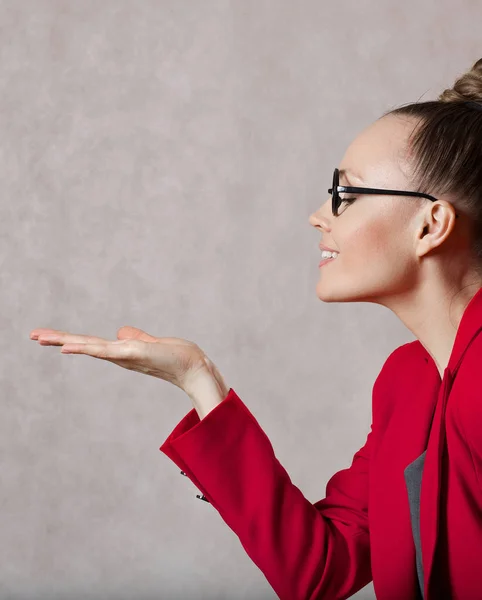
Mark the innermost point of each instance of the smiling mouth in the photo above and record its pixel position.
(324, 261)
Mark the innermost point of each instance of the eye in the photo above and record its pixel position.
(348, 200)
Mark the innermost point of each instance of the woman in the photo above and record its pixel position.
(406, 230)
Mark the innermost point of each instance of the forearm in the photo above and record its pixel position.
(306, 551)
(205, 391)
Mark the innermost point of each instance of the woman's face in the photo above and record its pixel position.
(376, 236)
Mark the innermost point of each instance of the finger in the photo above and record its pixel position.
(134, 333)
(105, 351)
(44, 333)
(60, 338)
(34, 334)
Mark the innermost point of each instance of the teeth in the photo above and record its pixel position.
(326, 254)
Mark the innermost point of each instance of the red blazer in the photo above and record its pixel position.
(361, 530)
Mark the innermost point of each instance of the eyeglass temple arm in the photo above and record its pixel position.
(362, 190)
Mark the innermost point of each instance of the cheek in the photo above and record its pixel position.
(368, 242)
(377, 253)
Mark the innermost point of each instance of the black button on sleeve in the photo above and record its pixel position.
(203, 497)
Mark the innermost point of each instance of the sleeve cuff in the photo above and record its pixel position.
(190, 423)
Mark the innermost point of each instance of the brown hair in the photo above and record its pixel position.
(446, 148)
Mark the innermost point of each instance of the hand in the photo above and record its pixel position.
(173, 359)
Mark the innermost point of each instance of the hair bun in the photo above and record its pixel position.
(468, 87)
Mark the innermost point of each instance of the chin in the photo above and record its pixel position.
(327, 292)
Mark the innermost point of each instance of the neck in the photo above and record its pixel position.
(433, 313)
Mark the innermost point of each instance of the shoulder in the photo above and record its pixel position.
(398, 376)
(407, 356)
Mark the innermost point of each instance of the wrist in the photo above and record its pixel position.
(205, 391)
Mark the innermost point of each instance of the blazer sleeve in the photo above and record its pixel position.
(306, 551)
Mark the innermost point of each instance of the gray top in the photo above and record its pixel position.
(413, 480)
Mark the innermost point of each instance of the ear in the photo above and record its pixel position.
(438, 223)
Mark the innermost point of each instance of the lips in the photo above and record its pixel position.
(322, 247)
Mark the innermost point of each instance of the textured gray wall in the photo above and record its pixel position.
(159, 162)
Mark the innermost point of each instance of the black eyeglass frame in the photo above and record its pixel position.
(337, 188)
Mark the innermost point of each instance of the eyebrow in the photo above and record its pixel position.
(347, 171)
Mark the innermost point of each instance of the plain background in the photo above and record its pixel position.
(159, 163)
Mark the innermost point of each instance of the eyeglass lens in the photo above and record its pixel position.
(334, 194)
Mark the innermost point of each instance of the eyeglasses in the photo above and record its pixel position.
(336, 189)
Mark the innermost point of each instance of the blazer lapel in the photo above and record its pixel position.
(431, 482)
(431, 493)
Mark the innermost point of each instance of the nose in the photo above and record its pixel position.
(317, 219)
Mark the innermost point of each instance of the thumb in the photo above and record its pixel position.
(130, 333)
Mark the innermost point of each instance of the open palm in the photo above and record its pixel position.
(173, 359)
